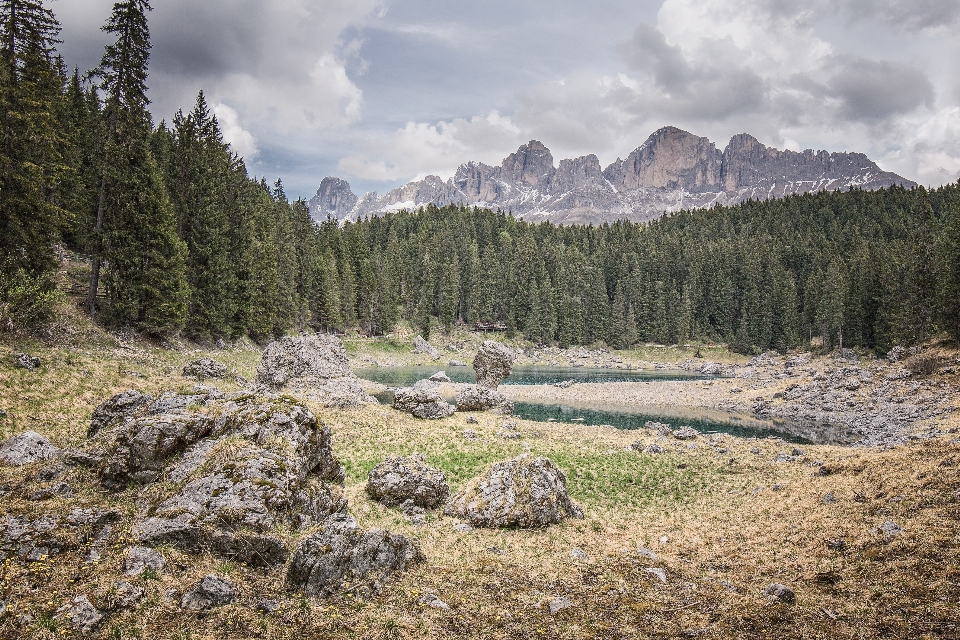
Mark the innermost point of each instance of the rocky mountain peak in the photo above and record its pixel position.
(674, 169)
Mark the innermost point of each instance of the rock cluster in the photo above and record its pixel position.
(205, 368)
(493, 363)
(422, 346)
(315, 365)
(423, 401)
(398, 479)
(524, 492)
(246, 463)
(26, 361)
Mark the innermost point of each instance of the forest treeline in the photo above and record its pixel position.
(181, 238)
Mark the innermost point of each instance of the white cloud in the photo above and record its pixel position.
(243, 142)
(420, 149)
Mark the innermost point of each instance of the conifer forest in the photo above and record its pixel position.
(180, 237)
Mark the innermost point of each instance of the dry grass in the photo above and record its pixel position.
(729, 533)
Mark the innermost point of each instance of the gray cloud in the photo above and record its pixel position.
(914, 15)
(875, 90)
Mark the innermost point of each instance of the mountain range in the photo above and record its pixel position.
(672, 170)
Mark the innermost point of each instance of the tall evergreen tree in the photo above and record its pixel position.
(135, 225)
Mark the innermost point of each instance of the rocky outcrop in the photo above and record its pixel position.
(312, 365)
(493, 363)
(672, 170)
(341, 552)
(476, 398)
(26, 448)
(212, 591)
(238, 466)
(397, 480)
(524, 492)
(205, 368)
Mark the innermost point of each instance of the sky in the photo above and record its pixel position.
(380, 92)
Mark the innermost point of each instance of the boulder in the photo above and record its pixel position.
(25, 361)
(711, 369)
(315, 365)
(398, 479)
(477, 398)
(212, 591)
(342, 553)
(524, 492)
(111, 412)
(423, 401)
(422, 346)
(238, 465)
(26, 448)
(493, 363)
(440, 376)
(686, 433)
(205, 368)
(781, 593)
(136, 560)
(81, 614)
(661, 428)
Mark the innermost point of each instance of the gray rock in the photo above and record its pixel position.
(798, 452)
(524, 492)
(125, 595)
(559, 604)
(829, 498)
(566, 384)
(422, 346)
(472, 420)
(422, 402)
(269, 606)
(25, 361)
(657, 573)
(896, 354)
(469, 434)
(26, 448)
(81, 614)
(783, 457)
(457, 363)
(136, 560)
(212, 591)
(653, 449)
(646, 553)
(398, 479)
(661, 428)
(462, 527)
(477, 398)
(685, 433)
(315, 365)
(431, 600)
(493, 363)
(890, 529)
(440, 376)
(260, 463)
(578, 554)
(205, 368)
(711, 368)
(781, 593)
(339, 553)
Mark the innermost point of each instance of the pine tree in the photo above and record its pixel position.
(135, 223)
(31, 165)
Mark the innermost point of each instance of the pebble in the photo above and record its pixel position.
(559, 604)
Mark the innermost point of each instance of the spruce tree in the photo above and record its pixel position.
(135, 224)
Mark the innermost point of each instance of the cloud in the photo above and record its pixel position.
(420, 149)
(243, 142)
(913, 15)
(875, 90)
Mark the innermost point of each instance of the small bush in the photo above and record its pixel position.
(26, 301)
(922, 364)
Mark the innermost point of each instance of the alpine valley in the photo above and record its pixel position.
(672, 170)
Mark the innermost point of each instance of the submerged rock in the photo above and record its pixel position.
(342, 553)
(26, 448)
(398, 479)
(524, 492)
(493, 363)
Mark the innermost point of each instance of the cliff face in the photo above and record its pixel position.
(672, 170)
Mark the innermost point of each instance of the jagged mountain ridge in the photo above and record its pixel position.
(672, 170)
